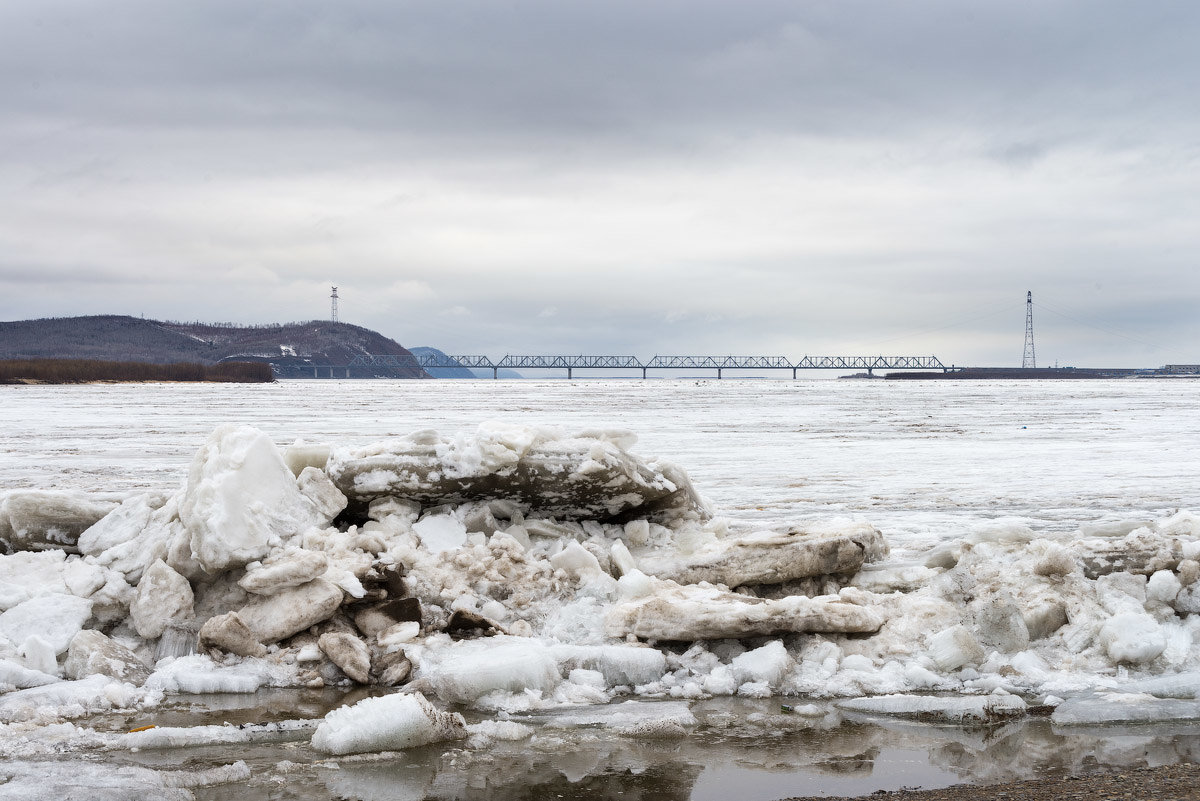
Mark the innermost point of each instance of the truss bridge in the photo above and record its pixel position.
(720, 364)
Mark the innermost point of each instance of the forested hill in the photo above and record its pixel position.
(294, 350)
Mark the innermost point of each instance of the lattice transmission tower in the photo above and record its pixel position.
(333, 305)
(1028, 361)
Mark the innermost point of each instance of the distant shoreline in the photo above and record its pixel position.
(94, 371)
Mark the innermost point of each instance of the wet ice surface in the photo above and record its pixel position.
(925, 462)
(738, 748)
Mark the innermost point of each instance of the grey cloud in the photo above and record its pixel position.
(679, 71)
(679, 175)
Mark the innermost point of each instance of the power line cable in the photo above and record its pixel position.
(964, 321)
(1108, 331)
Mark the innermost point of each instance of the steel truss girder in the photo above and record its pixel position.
(607, 362)
(385, 360)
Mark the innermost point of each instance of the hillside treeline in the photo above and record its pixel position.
(75, 371)
(297, 350)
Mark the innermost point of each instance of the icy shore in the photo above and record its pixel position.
(520, 569)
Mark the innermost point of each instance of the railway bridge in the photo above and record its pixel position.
(720, 364)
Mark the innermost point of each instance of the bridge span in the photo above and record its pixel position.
(632, 363)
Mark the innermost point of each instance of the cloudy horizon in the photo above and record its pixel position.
(771, 178)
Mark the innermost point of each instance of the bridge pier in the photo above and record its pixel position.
(495, 373)
(643, 373)
(568, 373)
(793, 373)
(718, 373)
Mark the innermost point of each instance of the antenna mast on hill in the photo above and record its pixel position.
(1027, 361)
(333, 305)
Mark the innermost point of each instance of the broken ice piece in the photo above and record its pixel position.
(771, 557)
(576, 478)
(702, 612)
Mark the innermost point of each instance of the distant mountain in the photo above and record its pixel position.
(442, 372)
(318, 348)
(458, 372)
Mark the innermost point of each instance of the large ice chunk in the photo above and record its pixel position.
(766, 664)
(21, 677)
(771, 557)
(134, 534)
(1132, 637)
(241, 500)
(326, 499)
(582, 477)
(1117, 707)
(965, 709)
(954, 647)
(163, 597)
(467, 670)
(40, 520)
(703, 612)
(199, 674)
(54, 618)
(631, 718)
(349, 653)
(24, 575)
(283, 570)
(618, 664)
(273, 617)
(1143, 551)
(92, 653)
(387, 723)
(440, 532)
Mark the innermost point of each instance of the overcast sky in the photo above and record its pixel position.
(632, 177)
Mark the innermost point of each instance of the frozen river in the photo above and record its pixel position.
(925, 462)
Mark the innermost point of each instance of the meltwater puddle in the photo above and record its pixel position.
(749, 749)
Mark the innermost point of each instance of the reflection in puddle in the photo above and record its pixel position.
(737, 748)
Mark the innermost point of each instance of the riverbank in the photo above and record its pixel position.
(1163, 783)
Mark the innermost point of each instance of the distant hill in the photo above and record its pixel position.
(442, 372)
(294, 350)
(458, 372)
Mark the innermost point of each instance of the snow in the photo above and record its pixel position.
(387, 723)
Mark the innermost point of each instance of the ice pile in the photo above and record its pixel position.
(517, 569)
